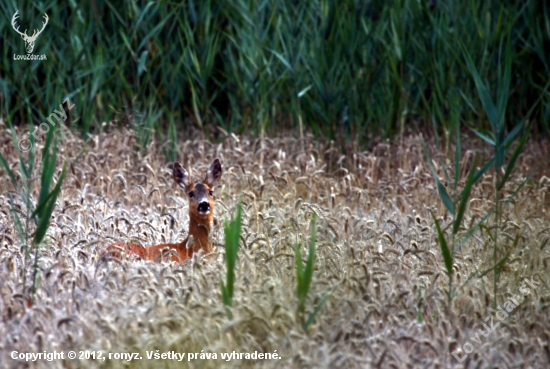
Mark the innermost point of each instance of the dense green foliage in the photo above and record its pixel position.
(339, 67)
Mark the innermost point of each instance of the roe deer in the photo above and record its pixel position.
(201, 214)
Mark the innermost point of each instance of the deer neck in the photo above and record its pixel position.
(200, 230)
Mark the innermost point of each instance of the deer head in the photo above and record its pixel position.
(200, 195)
(29, 40)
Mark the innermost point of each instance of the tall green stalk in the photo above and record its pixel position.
(501, 143)
(232, 239)
(304, 277)
(39, 214)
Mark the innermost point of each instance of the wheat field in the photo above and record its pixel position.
(378, 262)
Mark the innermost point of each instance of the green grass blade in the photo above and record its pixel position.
(458, 152)
(32, 154)
(504, 88)
(464, 197)
(483, 93)
(501, 263)
(153, 32)
(315, 312)
(39, 210)
(512, 161)
(470, 277)
(497, 268)
(9, 172)
(232, 238)
(310, 263)
(514, 194)
(26, 172)
(49, 158)
(304, 276)
(470, 232)
(484, 169)
(46, 214)
(445, 198)
(513, 133)
(485, 138)
(225, 295)
(17, 220)
(447, 257)
(299, 272)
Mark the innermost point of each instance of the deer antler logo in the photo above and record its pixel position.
(29, 40)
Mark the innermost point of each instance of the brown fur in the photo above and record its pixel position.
(199, 222)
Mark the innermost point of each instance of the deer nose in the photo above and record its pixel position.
(204, 207)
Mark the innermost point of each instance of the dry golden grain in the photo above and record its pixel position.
(377, 260)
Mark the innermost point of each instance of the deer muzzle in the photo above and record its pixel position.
(204, 207)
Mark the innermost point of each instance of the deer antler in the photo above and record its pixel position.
(35, 34)
(43, 25)
(13, 25)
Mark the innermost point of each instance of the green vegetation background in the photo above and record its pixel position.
(340, 68)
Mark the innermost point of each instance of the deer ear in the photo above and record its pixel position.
(181, 176)
(214, 173)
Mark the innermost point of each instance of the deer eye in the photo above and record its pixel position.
(191, 194)
(211, 193)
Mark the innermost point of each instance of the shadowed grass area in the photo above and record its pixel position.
(377, 256)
